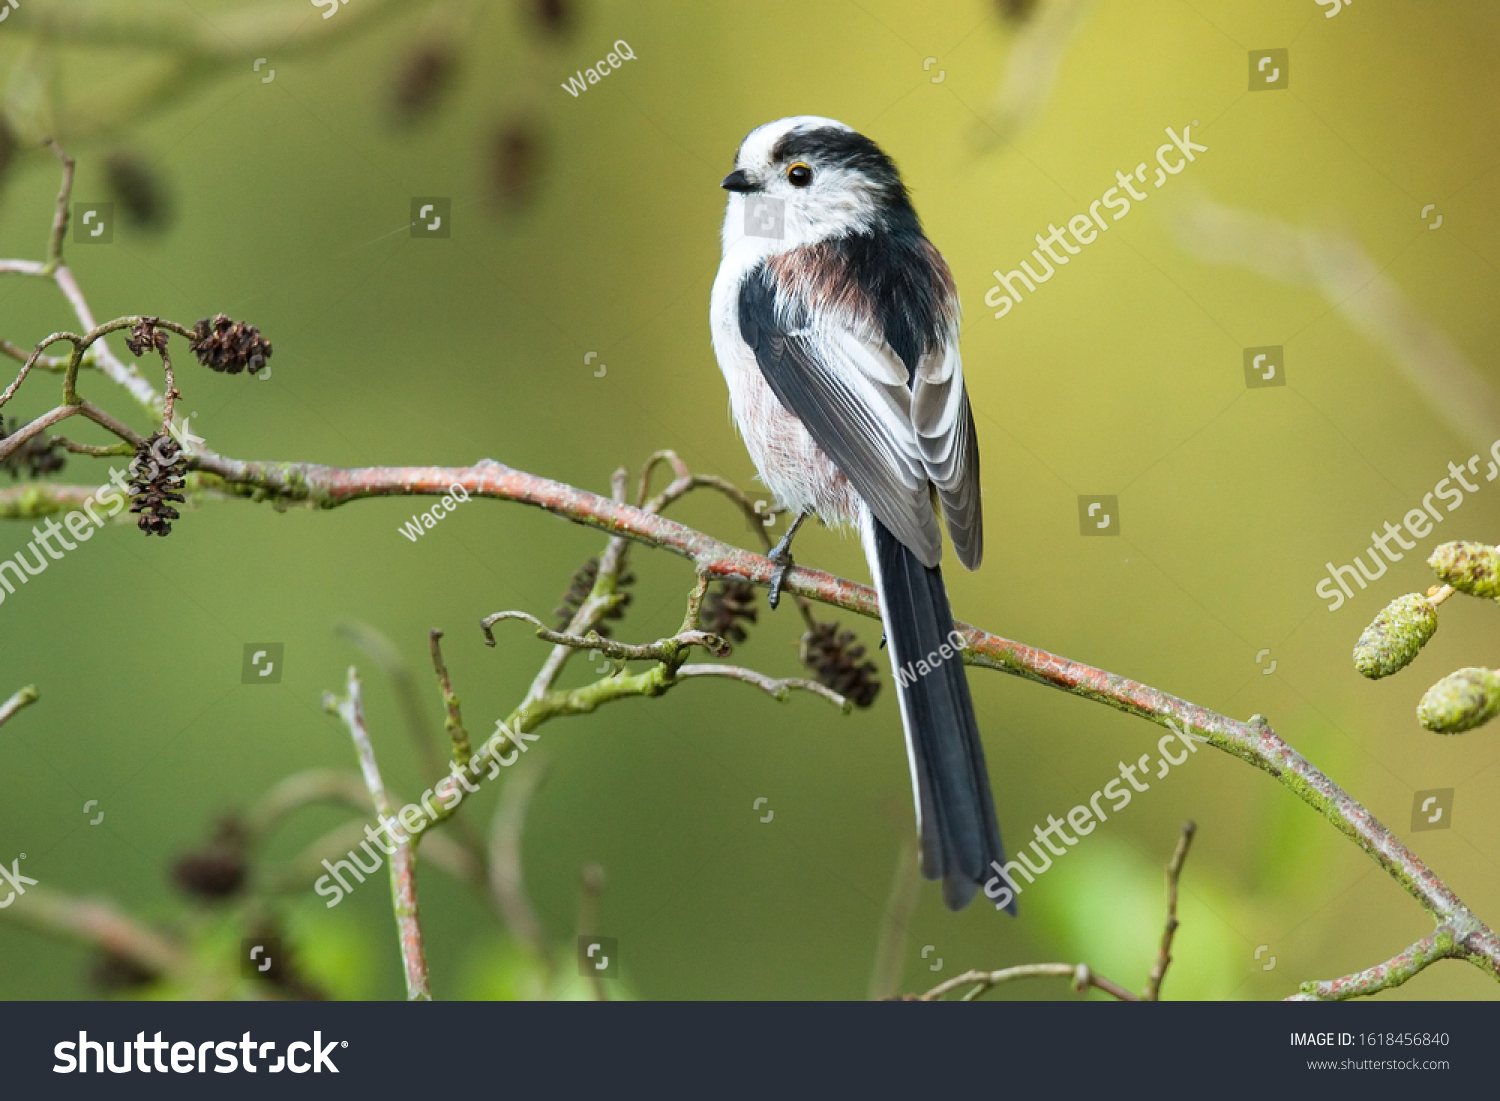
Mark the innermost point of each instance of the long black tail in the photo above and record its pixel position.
(955, 811)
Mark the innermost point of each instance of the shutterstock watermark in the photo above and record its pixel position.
(190, 1057)
(13, 878)
(112, 495)
(1418, 523)
(1171, 158)
(414, 818)
(1084, 818)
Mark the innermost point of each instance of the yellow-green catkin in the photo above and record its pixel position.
(1395, 636)
(1472, 568)
(1461, 701)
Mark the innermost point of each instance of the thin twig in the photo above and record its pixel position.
(403, 863)
(60, 213)
(664, 649)
(98, 923)
(454, 721)
(97, 451)
(22, 698)
(1083, 977)
(304, 789)
(684, 482)
(170, 393)
(1441, 944)
(601, 599)
(46, 363)
(22, 267)
(107, 422)
(413, 710)
(122, 373)
(590, 890)
(1164, 955)
(777, 688)
(26, 431)
(302, 871)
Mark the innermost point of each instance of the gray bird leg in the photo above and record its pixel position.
(781, 555)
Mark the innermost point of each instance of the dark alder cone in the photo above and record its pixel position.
(112, 973)
(725, 606)
(156, 479)
(229, 346)
(37, 456)
(146, 336)
(515, 164)
(835, 657)
(426, 75)
(139, 190)
(583, 584)
(551, 17)
(1016, 11)
(218, 869)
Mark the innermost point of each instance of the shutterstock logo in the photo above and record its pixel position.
(262, 663)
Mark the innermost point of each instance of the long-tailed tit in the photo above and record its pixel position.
(835, 322)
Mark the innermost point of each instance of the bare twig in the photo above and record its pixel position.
(26, 431)
(403, 862)
(389, 657)
(170, 393)
(302, 871)
(304, 789)
(665, 649)
(1444, 943)
(22, 698)
(777, 688)
(107, 422)
(98, 923)
(1083, 978)
(1164, 955)
(46, 363)
(454, 721)
(590, 890)
(97, 451)
(60, 211)
(602, 597)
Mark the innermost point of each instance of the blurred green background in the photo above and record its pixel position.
(590, 224)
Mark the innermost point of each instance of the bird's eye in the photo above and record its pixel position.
(799, 175)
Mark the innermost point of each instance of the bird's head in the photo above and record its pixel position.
(812, 179)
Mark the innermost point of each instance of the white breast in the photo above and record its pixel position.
(791, 465)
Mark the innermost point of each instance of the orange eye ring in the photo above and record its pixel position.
(799, 175)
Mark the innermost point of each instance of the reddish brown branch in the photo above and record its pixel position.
(328, 487)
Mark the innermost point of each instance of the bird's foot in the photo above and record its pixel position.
(782, 558)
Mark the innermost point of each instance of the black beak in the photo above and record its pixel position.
(738, 181)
